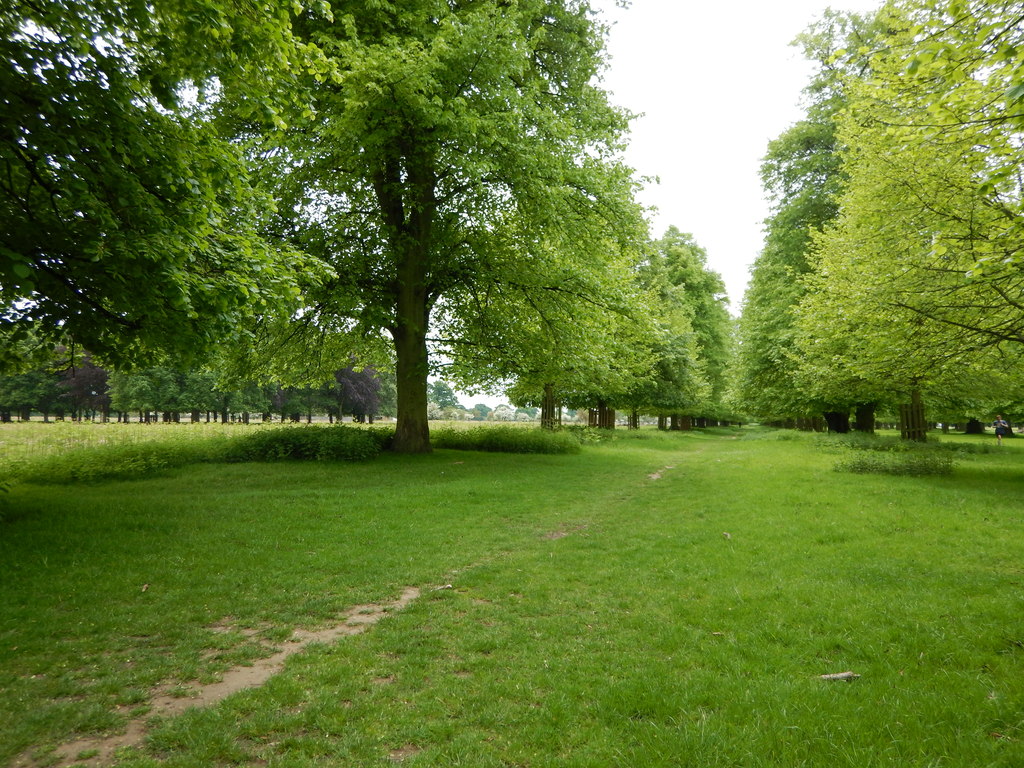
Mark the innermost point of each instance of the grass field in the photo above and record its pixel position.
(656, 600)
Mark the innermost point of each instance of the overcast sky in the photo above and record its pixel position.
(715, 82)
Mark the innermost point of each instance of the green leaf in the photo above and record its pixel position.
(1016, 93)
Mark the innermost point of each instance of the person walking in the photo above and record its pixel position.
(1002, 428)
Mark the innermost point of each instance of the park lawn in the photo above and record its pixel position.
(661, 599)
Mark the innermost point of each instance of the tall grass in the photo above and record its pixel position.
(31, 447)
(656, 600)
(505, 439)
(64, 452)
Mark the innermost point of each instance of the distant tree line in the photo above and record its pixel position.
(77, 388)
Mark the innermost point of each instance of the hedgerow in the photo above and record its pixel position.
(334, 443)
(505, 440)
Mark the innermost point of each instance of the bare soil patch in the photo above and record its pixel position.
(100, 750)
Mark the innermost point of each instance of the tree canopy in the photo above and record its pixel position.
(905, 275)
(803, 175)
(920, 279)
(128, 224)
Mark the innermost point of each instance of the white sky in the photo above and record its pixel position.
(714, 82)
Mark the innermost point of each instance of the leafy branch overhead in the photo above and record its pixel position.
(129, 224)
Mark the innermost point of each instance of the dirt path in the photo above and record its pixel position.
(101, 751)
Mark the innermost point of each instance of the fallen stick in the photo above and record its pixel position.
(847, 676)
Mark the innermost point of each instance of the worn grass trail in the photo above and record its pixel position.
(668, 601)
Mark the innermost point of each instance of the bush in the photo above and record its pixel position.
(505, 440)
(871, 454)
(584, 434)
(891, 444)
(914, 463)
(863, 441)
(777, 433)
(335, 443)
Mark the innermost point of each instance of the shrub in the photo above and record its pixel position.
(335, 443)
(892, 444)
(772, 433)
(915, 463)
(976, 448)
(506, 440)
(862, 441)
(128, 461)
(584, 434)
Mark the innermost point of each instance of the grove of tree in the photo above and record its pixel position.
(201, 200)
(892, 266)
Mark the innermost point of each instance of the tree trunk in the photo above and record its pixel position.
(864, 418)
(605, 416)
(838, 421)
(974, 427)
(634, 419)
(412, 433)
(547, 408)
(405, 187)
(912, 423)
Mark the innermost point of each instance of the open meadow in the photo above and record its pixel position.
(656, 599)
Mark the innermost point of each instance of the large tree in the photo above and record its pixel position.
(920, 283)
(690, 281)
(693, 345)
(803, 173)
(127, 224)
(561, 333)
(448, 150)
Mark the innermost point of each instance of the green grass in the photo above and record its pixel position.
(657, 600)
(60, 453)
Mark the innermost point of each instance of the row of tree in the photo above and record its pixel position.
(80, 389)
(893, 269)
(274, 195)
